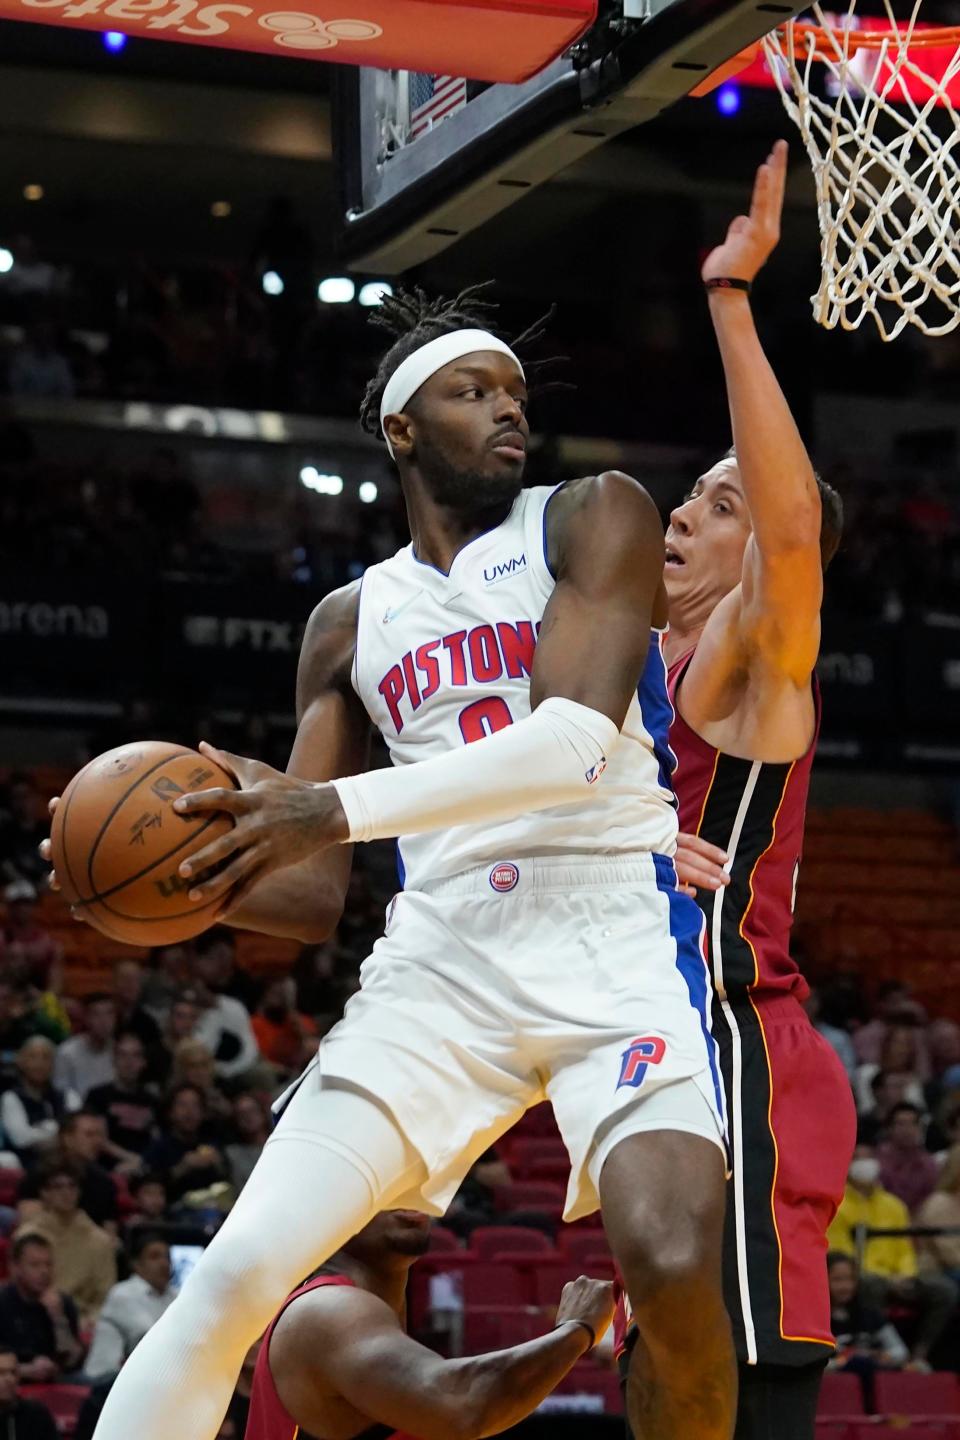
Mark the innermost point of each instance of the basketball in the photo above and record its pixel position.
(118, 842)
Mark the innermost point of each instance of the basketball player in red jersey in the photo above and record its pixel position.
(336, 1363)
(745, 554)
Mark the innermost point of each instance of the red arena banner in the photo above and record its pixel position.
(497, 40)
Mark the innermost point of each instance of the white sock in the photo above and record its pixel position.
(334, 1162)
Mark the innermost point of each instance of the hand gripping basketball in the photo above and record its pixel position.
(278, 821)
(752, 238)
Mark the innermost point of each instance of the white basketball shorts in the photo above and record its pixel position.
(577, 979)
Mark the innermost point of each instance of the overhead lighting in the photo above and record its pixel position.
(6, 261)
(33, 192)
(311, 477)
(220, 209)
(728, 99)
(374, 292)
(368, 492)
(114, 40)
(336, 290)
(272, 284)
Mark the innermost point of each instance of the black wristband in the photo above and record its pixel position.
(586, 1325)
(728, 282)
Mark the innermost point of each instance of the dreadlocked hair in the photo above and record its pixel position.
(415, 319)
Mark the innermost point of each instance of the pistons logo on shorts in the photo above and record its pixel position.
(504, 877)
(644, 1051)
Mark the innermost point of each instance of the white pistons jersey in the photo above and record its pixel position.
(443, 660)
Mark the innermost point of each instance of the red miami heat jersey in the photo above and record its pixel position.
(754, 811)
(268, 1418)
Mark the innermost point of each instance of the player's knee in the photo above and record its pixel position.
(669, 1261)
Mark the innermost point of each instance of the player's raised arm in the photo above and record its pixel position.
(782, 573)
(347, 1343)
(607, 549)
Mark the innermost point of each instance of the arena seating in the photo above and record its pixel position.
(63, 1401)
(880, 892)
(491, 1241)
(906, 1393)
(840, 1395)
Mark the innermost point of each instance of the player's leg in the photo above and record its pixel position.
(336, 1159)
(641, 1112)
(778, 1402)
(662, 1196)
(789, 1171)
(405, 1104)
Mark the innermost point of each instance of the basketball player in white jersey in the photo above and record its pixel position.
(539, 947)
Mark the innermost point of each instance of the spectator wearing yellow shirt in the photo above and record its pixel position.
(889, 1265)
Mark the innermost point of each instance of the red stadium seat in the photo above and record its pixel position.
(442, 1239)
(63, 1402)
(493, 1285)
(829, 1427)
(557, 1172)
(488, 1240)
(572, 1243)
(530, 1195)
(497, 1327)
(597, 1263)
(549, 1280)
(526, 1152)
(539, 1121)
(924, 1430)
(840, 1394)
(906, 1393)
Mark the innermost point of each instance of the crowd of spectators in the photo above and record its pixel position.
(896, 1292)
(131, 1117)
(128, 1130)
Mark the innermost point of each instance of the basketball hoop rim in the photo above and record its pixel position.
(830, 43)
(828, 39)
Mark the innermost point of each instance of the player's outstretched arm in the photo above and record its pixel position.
(346, 1344)
(782, 577)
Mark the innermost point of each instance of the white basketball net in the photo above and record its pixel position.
(888, 182)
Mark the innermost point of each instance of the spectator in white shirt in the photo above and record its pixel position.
(86, 1061)
(32, 1108)
(224, 1023)
(133, 1306)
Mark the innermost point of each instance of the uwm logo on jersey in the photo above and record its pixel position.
(481, 656)
(504, 570)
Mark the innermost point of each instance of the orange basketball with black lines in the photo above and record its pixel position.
(118, 843)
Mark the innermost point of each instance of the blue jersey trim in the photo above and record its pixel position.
(686, 927)
(401, 868)
(657, 712)
(543, 519)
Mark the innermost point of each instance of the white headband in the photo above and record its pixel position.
(418, 367)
